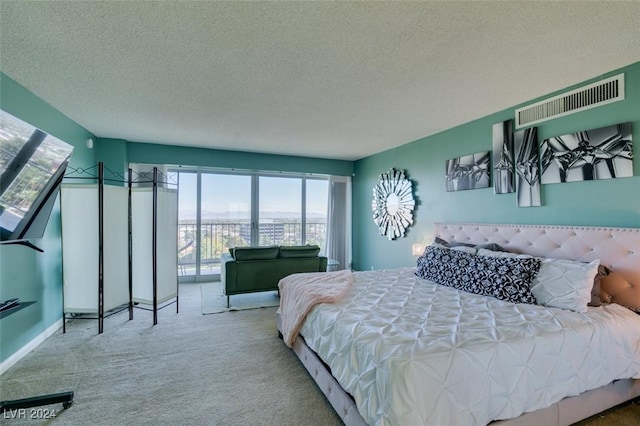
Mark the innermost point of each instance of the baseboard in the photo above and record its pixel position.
(20, 353)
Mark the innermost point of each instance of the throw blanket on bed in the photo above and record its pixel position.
(301, 292)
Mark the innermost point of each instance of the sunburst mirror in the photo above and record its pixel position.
(393, 204)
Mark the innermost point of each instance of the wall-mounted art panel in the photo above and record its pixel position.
(504, 180)
(527, 167)
(603, 153)
(468, 172)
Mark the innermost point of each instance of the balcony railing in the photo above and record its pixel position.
(217, 237)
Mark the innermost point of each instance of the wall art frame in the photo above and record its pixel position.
(468, 172)
(504, 178)
(602, 153)
(393, 204)
(527, 167)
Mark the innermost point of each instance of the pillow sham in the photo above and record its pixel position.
(560, 283)
(616, 289)
(464, 248)
(503, 278)
(474, 247)
(596, 299)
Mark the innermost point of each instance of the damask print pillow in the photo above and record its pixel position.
(503, 278)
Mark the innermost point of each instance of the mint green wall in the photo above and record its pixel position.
(113, 153)
(612, 202)
(25, 273)
(168, 154)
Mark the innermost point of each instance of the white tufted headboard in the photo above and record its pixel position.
(617, 248)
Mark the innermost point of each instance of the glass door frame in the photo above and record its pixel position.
(255, 206)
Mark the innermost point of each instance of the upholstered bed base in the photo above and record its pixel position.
(618, 248)
(565, 412)
(339, 399)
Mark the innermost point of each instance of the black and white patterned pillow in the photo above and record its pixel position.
(505, 278)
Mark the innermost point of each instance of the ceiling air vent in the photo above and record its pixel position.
(593, 95)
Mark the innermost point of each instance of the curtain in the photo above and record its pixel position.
(338, 246)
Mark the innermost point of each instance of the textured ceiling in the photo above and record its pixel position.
(322, 79)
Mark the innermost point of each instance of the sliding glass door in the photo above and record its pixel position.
(225, 217)
(220, 210)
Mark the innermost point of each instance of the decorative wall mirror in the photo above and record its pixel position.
(393, 204)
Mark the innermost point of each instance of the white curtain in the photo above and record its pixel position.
(338, 246)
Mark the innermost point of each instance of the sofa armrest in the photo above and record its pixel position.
(228, 268)
(323, 263)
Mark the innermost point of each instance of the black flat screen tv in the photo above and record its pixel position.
(32, 166)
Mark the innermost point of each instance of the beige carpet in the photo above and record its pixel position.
(214, 301)
(627, 414)
(190, 369)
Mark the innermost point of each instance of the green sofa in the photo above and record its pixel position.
(251, 269)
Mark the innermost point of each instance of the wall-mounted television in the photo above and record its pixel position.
(32, 166)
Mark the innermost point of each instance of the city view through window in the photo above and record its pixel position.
(240, 210)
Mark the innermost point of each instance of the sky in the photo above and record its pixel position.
(232, 193)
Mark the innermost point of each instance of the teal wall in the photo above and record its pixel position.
(25, 273)
(113, 153)
(611, 202)
(168, 154)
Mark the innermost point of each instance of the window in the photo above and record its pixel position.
(317, 195)
(280, 211)
(219, 210)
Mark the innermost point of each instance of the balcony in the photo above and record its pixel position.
(217, 237)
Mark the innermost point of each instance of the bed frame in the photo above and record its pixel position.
(617, 248)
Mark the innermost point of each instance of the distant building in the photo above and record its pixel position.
(272, 232)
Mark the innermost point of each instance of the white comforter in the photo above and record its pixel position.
(412, 352)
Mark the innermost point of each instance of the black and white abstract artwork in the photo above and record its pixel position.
(504, 180)
(603, 153)
(468, 172)
(527, 167)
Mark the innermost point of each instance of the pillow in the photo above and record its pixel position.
(560, 283)
(255, 253)
(503, 278)
(298, 251)
(596, 299)
(462, 247)
(616, 289)
(474, 247)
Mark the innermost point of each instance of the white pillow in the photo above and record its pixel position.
(560, 283)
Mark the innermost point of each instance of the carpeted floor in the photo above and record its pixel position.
(215, 302)
(226, 369)
(627, 414)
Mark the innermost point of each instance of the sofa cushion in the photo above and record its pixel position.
(255, 253)
(299, 251)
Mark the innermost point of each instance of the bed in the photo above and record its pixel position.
(501, 362)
